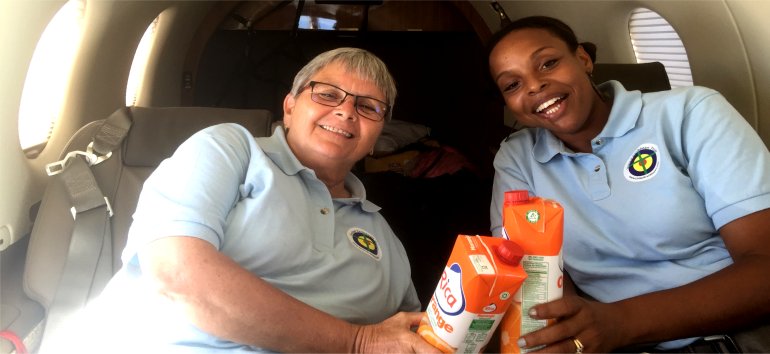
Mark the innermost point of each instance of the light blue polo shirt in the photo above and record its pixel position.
(642, 212)
(255, 202)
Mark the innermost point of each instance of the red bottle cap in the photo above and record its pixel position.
(509, 252)
(516, 196)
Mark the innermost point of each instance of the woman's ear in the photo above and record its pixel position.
(288, 109)
(585, 59)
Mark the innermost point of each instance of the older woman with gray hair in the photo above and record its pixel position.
(268, 244)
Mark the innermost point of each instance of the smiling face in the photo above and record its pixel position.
(324, 137)
(547, 85)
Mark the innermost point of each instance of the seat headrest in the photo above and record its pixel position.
(156, 132)
(645, 77)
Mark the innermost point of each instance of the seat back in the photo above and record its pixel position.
(154, 135)
(645, 77)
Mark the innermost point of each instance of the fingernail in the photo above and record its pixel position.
(521, 342)
(532, 313)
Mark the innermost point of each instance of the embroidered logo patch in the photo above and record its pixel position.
(365, 242)
(643, 163)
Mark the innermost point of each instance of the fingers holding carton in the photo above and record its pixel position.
(394, 335)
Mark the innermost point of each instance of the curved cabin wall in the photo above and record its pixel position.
(751, 19)
(100, 74)
(736, 27)
(175, 38)
(21, 25)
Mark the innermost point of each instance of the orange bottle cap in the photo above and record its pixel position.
(509, 252)
(516, 196)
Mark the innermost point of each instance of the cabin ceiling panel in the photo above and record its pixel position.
(387, 15)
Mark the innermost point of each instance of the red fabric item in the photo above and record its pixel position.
(440, 161)
(15, 340)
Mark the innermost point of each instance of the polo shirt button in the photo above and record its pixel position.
(598, 142)
(324, 211)
(597, 168)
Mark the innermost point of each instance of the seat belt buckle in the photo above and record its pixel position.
(54, 168)
(110, 213)
(722, 343)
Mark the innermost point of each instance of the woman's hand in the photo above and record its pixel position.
(597, 326)
(393, 335)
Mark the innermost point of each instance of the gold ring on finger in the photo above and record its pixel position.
(578, 346)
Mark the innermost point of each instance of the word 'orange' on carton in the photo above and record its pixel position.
(477, 285)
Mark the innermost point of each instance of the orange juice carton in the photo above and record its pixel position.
(475, 289)
(537, 225)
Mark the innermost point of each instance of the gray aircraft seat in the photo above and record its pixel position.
(645, 77)
(63, 272)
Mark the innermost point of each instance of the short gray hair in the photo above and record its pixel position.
(362, 62)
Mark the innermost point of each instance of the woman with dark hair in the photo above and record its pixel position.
(667, 224)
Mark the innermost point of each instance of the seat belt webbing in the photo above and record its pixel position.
(112, 132)
(92, 231)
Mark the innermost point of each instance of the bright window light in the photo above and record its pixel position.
(48, 77)
(654, 39)
(139, 65)
(316, 23)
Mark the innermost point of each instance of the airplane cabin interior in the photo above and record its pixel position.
(431, 171)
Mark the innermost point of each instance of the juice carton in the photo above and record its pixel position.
(474, 291)
(537, 225)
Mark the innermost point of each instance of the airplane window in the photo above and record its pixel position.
(654, 39)
(139, 64)
(48, 77)
(308, 22)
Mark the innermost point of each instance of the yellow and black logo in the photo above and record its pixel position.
(365, 242)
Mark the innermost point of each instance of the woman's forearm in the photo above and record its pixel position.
(223, 299)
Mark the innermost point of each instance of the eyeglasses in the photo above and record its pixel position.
(333, 96)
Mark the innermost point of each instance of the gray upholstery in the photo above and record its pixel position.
(154, 135)
(645, 77)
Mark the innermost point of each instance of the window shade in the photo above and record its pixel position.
(654, 39)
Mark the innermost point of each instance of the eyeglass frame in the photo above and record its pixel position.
(311, 85)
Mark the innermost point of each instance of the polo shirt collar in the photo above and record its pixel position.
(625, 112)
(358, 194)
(277, 149)
(626, 108)
(546, 146)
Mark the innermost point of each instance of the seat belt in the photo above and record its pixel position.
(92, 231)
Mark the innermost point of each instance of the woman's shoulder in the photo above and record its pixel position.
(521, 136)
(224, 139)
(227, 131)
(520, 140)
(686, 95)
(231, 134)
